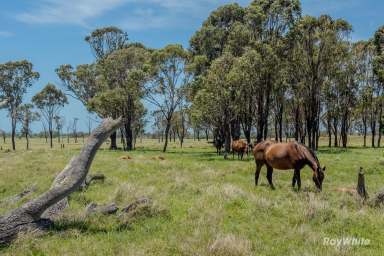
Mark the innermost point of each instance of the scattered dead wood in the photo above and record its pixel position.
(103, 209)
(112, 208)
(29, 216)
(141, 201)
(378, 199)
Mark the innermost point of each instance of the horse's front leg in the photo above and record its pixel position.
(298, 178)
(294, 179)
(269, 176)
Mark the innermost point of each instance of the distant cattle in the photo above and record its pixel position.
(240, 147)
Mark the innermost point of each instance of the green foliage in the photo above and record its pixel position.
(49, 101)
(104, 41)
(50, 97)
(15, 78)
(379, 59)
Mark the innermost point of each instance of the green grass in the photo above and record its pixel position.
(202, 204)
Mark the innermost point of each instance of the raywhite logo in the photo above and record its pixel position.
(346, 241)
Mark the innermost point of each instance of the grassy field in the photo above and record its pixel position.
(202, 204)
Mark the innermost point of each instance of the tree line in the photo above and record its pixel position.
(268, 69)
(259, 71)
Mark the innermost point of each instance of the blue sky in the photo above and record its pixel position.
(51, 32)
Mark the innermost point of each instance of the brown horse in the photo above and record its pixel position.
(240, 147)
(285, 156)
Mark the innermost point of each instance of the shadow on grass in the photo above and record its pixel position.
(86, 226)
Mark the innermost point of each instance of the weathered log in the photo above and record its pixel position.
(55, 210)
(141, 201)
(361, 184)
(28, 216)
(103, 209)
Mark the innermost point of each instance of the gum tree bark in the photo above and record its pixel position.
(28, 216)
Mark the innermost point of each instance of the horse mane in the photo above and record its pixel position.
(312, 153)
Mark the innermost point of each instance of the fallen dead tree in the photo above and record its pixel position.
(28, 217)
(112, 208)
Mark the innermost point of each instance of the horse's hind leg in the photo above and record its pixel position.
(257, 173)
(294, 180)
(269, 176)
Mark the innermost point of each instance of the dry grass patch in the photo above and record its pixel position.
(230, 245)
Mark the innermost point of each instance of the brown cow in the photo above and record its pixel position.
(239, 146)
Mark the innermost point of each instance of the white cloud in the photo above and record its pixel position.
(140, 14)
(68, 11)
(6, 34)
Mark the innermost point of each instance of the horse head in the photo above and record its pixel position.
(318, 177)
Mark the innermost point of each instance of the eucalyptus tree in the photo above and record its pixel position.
(269, 22)
(317, 42)
(59, 125)
(379, 71)
(80, 82)
(246, 74)
(15, 78)
(104, 41)
(49, 101)
(221, 31)
(74, 127)
(83, 81)
(215, 100)
(167, 89)
(26, 116)
(123, 74)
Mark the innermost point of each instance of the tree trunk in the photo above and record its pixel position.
(167, 128)
(113, 139)
(380, 125)
(227, 140)
(128, 136)
(51, 138)
(365, 131)
(373, 130)
(28, 216)
(13, 134)
(27, 139)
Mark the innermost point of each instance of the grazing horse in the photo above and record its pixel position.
(239, 146)
(218, 144)
(285, 156)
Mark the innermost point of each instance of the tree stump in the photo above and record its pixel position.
(361, 184)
